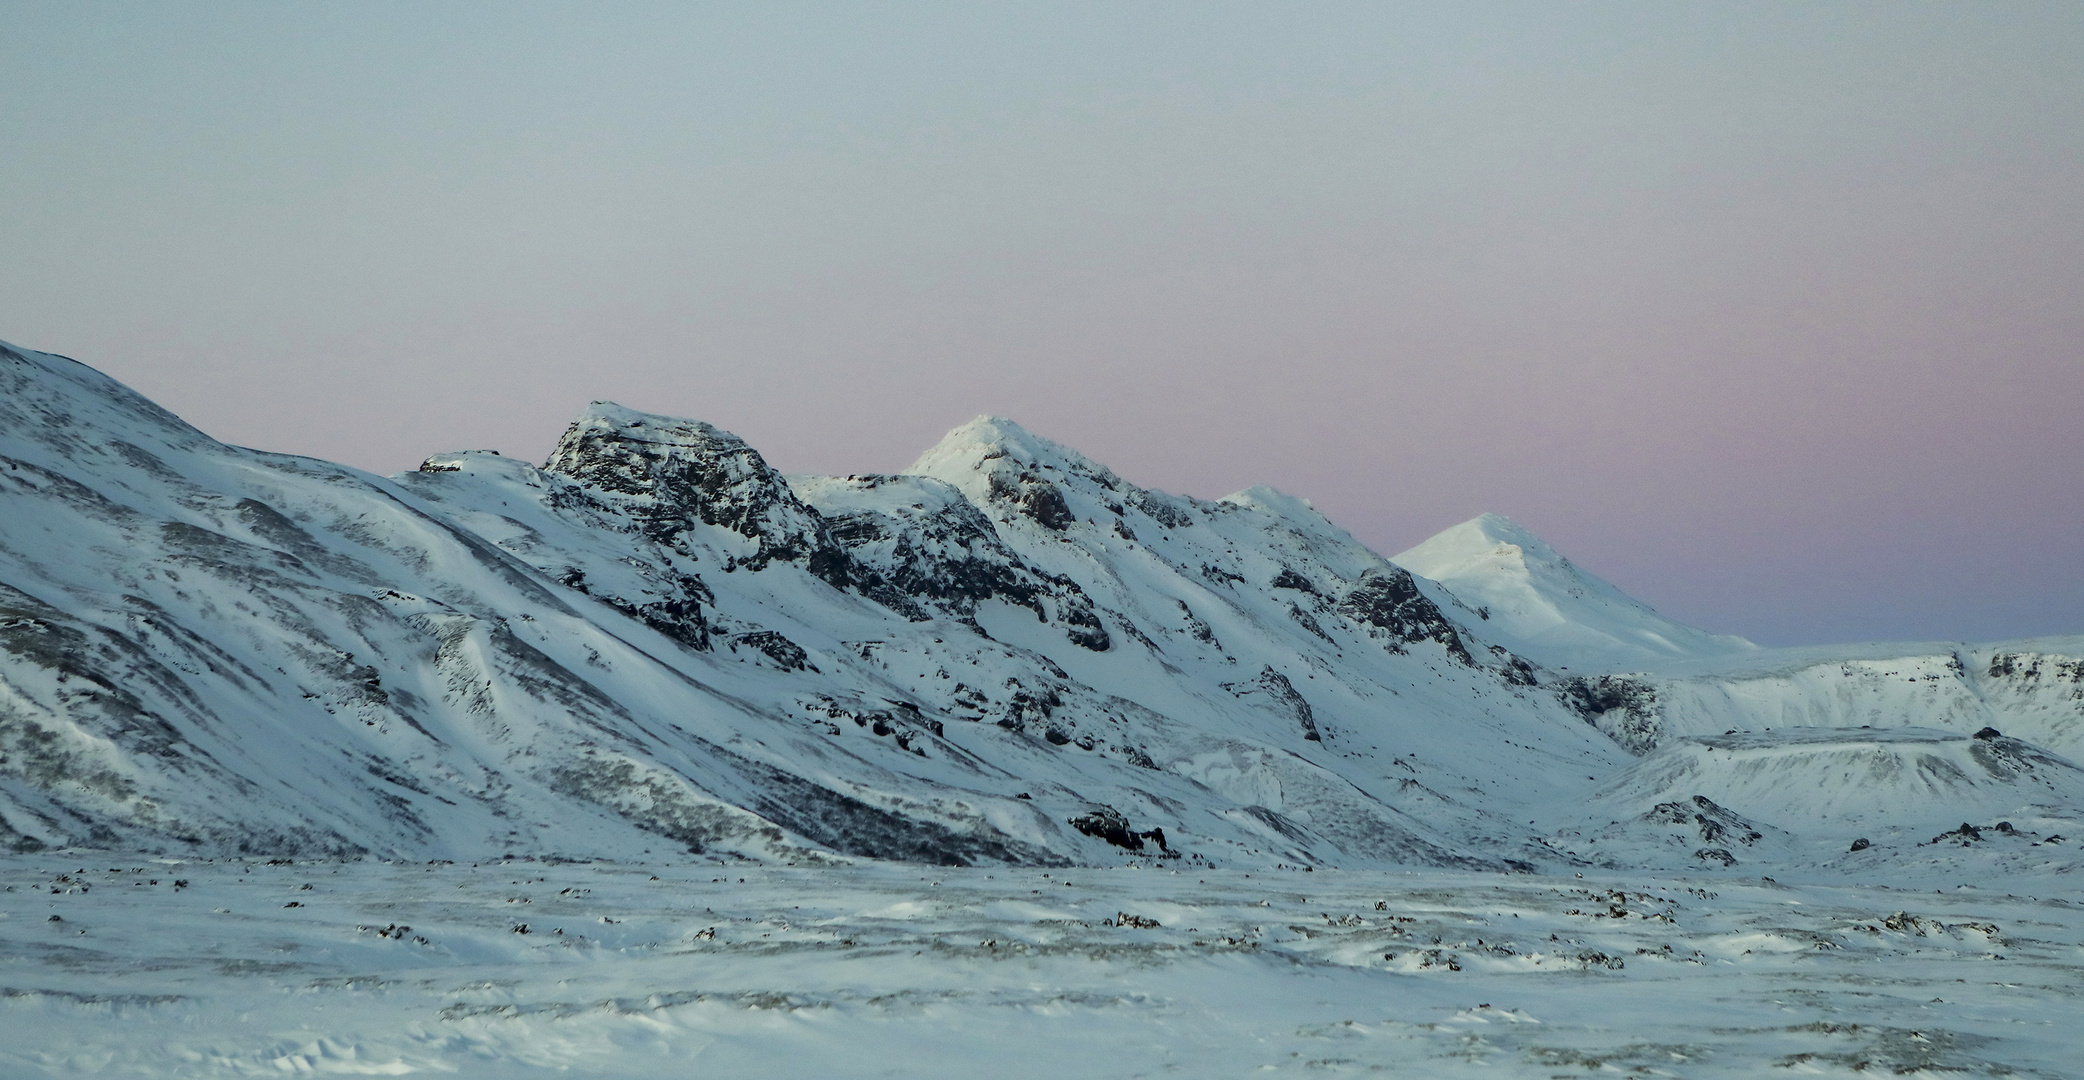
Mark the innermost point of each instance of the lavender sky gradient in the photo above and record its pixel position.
(1771, 314)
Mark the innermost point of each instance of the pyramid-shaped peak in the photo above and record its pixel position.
(1493, 547)
(1485, 538)
(1557, 612)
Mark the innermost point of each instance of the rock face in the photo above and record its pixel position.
(666, 475)
(922, 549)
(1277, 688)
(1388, 600)
(654, 646)
(1625, 709)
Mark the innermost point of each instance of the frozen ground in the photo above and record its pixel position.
(229, 968)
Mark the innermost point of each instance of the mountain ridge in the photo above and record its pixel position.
(658, 643)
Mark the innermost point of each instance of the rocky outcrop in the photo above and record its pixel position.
(920, 548)
(1389, 602)
(1716, 824)
(666, 475)
(1625, 709)
(1275, 688)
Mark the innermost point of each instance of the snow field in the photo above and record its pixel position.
(714, 969)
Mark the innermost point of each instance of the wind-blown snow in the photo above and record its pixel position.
(700, 969)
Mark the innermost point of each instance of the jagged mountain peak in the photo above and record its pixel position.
(669, 472)
(1556, 612)
(643, 427)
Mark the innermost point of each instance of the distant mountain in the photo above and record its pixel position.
(1549, 609)
(656, 645)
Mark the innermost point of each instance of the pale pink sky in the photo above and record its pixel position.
(1771, 314)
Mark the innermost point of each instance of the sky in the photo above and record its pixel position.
(1771, 314)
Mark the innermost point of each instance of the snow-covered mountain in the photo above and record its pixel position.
(1547, 608)
(655, 643)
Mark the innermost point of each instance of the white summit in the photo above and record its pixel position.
(1552, 611)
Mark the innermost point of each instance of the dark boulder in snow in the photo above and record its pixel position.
(1106, 823)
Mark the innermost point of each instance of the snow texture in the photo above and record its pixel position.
(526, 968)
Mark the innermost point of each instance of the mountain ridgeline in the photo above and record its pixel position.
(656, 646)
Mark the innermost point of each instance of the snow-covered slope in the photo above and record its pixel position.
(1915, 777)
(2030, 689)
(1546, 608)
(655, 640)
(655, 643)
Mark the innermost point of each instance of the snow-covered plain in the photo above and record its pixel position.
(707, 969)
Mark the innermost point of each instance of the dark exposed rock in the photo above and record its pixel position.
(1715, 823)
(1161, 508)
(2033, 667)
(1716, 855)
(1989, 733)
(786, 654)
(1389, 601)
(1197, 629)
(1275, 687)
(931, 552)
(1519, 672)
(1081, 624)
(918, 547)
(1861, 844)
(1289, 579)
(1108, 824)
(1307, 621)
(1965, 833)
(667, 474)
(1516, 670)
(1625, 709)
(1043, 502)
(677, 615)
